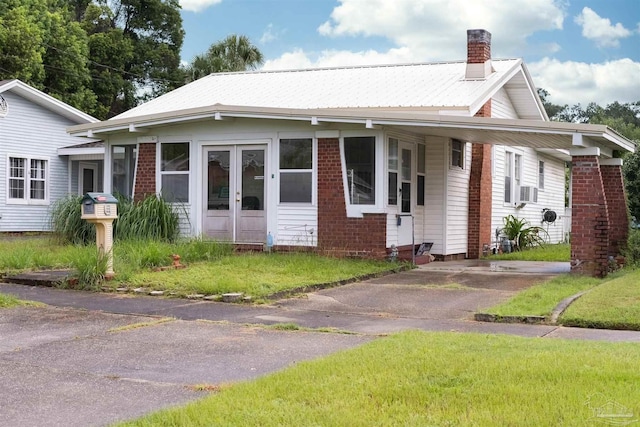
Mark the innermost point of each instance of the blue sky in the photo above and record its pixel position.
(580, 51)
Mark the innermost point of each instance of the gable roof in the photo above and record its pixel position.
(435, 88)
(46, 101)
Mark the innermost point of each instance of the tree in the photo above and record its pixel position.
(101, 56)
(233, 53)
(135, 50)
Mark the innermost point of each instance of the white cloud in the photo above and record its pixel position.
(432, 28)
(336, 58)
(197, 5)
(577, 82)
(600, 30)
(268, 35)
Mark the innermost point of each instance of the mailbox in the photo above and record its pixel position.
(101, 209)
(99, 206)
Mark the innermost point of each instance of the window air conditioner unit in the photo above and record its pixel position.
(528, 194)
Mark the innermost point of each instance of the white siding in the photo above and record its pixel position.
(457, 213)
(552, 197)
(297, 226)
(32, 131)
(435, 200)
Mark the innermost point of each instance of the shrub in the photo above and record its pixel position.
(91, 267)
(151, 219)
(522, 233)
(632, 251)
(67, 224)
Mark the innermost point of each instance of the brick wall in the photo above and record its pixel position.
(590, 218)
(145, 183)
(337, 234)
(615, 196)
(480, 194)
(478, 46)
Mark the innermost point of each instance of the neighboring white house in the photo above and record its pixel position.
(32, 173)
(353, 160)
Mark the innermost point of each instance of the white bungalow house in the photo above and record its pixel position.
(33, 174)
(356, 160)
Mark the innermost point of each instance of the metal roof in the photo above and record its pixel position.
(438, 87)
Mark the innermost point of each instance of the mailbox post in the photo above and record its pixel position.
(101, 209)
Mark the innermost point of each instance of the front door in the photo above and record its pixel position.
(87, 178)
(235, 193)
(405, 198)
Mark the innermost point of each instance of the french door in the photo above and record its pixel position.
(235, 193)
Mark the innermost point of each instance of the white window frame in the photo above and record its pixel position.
(391, 170)
(421, 163)
(162, 173)
(357, 211)
(541, 165)
(312, 171)
(462, 151)
(515, 172)
(27, 200)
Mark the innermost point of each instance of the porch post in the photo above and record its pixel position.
(589, 215)
(480, 195)
(614, 191)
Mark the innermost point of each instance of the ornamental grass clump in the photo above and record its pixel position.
(150, 219)
(524, 235)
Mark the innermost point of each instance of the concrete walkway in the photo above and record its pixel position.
(94, 358)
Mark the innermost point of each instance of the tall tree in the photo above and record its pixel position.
(233, 53)
(146, 36)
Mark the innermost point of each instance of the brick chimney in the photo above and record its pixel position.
(478, 54)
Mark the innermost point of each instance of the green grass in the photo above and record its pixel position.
(8, 301)
(258, 275)
(559, 252)
(614, 304)
(211, 266)
(430, 379)
(541, 299)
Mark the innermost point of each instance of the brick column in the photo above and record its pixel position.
(589, 217)
(480, 195)
(145, 183)
(337, 234)
(614, 192)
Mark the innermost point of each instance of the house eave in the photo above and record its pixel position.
(537, 133)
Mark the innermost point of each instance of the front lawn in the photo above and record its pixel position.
(433, 379)
(8, 301)
(258, 275)
(541, 299)
(557, 252)
(211, 267)
(614, 304)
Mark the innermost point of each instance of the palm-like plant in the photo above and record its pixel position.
(522, 234)
(233, 53)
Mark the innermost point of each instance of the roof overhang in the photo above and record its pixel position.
(40, 98)
(515, 132)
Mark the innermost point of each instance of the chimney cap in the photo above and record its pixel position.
(479, 36)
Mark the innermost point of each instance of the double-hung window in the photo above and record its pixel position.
(541, 174)
(174, 172)
(296, 170)
(27, 179)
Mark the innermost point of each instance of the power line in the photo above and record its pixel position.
(110, 67)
